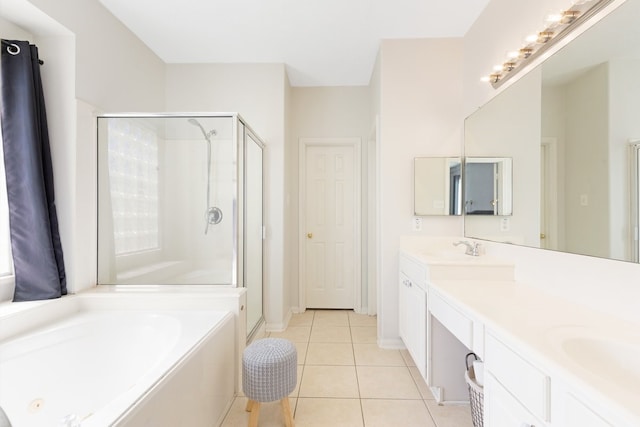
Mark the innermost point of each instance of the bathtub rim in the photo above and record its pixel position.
(17, 317)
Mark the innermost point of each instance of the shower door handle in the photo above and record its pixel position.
(309, 235)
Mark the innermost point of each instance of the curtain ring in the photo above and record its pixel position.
(13, 49)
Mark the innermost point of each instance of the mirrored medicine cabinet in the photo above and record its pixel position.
(441, 190)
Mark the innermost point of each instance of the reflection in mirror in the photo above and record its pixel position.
(488, 186)
(437, 186)
(509, 127)
(570, 122)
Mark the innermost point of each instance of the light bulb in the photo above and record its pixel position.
(531, 38)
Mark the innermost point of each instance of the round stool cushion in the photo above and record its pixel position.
(269, 369)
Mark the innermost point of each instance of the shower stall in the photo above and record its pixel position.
(180, 202)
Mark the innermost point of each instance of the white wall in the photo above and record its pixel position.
(115, 71)
(420, 116)
(325, 112)
(290, 208)
(587, 163)
(259, 93)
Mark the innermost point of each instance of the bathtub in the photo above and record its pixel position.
(118, 360)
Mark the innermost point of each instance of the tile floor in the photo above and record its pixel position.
(344, 379)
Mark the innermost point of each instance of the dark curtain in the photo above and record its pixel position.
(35, 240)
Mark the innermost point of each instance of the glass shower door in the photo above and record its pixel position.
(253, 267)
(167, 200)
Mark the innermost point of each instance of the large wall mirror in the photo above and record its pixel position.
(569, 127)
(487, 186)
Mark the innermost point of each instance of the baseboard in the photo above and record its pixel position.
(279, 327)
(391, 344)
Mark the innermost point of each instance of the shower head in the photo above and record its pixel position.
(206, 134)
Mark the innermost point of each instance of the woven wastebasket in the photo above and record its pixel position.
(476, 392)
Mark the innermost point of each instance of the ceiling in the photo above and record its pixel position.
(322, 42)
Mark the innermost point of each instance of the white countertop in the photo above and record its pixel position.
(536, 324)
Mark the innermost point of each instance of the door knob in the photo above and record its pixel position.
(309, 235)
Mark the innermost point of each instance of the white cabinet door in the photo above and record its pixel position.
(578, 414)
(403, 299)
(413, 321)
(501, 409)
(524, 381)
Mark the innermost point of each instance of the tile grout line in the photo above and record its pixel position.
(355, 368)
(304, 365)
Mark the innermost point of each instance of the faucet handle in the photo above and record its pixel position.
(475, 249)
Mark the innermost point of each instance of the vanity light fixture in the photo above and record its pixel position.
(557, 27)
(568, 16)
(544, 36)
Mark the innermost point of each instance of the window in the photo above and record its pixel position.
(133, 177)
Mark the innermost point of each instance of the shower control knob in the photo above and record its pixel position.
(309, 235)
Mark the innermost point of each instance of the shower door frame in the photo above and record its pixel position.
(238, 216)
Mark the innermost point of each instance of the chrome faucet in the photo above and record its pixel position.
(473, 248)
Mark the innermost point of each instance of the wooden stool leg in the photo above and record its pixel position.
(286, 411)
(255, 412)
(249, 405)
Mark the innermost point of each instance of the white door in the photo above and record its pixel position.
(330, 226)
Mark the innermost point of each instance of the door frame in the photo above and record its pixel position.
(305, 143)
(549, 150)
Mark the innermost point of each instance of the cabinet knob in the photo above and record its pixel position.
(309, 235)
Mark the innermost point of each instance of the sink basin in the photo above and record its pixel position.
(450, 264)
(615, 361)
(450, 255)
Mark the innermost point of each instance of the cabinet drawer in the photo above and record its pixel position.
(415, 271)
(452, 319)
(502, 409)
(524, 381)
(577, 414)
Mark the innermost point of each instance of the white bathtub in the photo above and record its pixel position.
(104, 360)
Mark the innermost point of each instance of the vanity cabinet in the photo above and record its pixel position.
(515, 390)
(453, 319)
(451, 305)
(578, 414)
(501, 409)
(413, 310)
